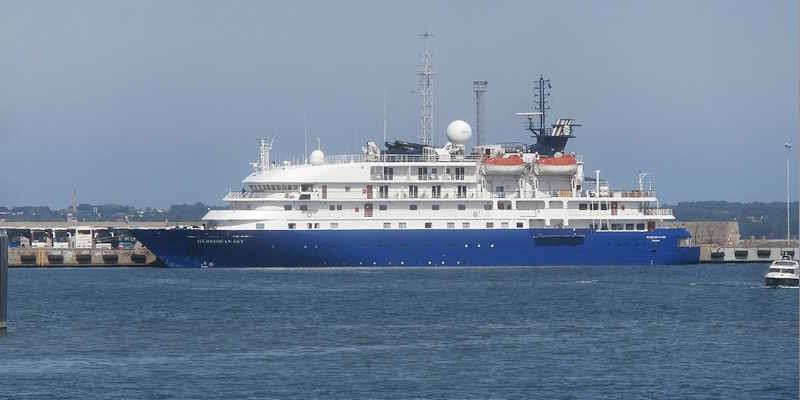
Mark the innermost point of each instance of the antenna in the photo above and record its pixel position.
(541, 94)
(640, 178)
(75, 202)
(264, 147)
(305, 138)
(480, 88)
(385, 137)
(425, 92)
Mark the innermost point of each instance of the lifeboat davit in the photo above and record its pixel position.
(510, 164)
(564, 165)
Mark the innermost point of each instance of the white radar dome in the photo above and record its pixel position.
(317, 157)
(459, 132)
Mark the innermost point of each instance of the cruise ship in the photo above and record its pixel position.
(415, 204)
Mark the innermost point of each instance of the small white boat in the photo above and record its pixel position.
(783, 273)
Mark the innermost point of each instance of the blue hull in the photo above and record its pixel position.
(429, 247)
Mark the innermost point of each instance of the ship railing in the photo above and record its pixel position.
(249, 195)
(352, 158)
(658, 211)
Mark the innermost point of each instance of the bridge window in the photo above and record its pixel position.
(382, 207)
(331, 207)
(292, 226)
(435, 207)
(628, 227)
(520, 225)
(582, 207)
(428, 225)
(338, 207)
(640, 227)
(412, 207)
(462, 207)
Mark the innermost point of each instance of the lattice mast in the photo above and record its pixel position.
(480, 88)
(540, 103)
(425, 92)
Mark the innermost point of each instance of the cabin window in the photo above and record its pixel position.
(287, 207)
(462, 207)
(306, 187)
(504, 225)
(382, 207)
(292, 226)
(347, 188)
(412, 207)
(309, 225)
(413, 191)
(582, 207)
(629, 227)
(459, 173)
(640, 227)
(604, 206)
(303, 207)
(490, 224)
(604, 227)
(451, 225)
(428, 225)
(316, 225)
(422, 173)
(259, 226)
(461, 191)
(387, 225)
(305, 196)
(388, 173)
(338, 207)
(465, 225)
(331, 207)
(401, 225)
(616, 227)
(487, 206)
(436, 191)
(334, 225)
(435, 207)
(383, 192)
(520, 225)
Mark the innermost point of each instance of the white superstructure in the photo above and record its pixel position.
(493, 187)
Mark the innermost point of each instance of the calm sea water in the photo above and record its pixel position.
(467, 333)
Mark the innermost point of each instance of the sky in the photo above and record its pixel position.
(152, 103)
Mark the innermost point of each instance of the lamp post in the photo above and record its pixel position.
(788, 147)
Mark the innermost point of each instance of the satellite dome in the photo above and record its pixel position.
(317, 157)
(459, 132)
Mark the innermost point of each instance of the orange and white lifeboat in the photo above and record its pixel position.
(563, 165)
(508, 164)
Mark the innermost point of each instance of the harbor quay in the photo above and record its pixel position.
(81, 244)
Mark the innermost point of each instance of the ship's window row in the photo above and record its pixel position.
(274, 188)
(618, 227)
(429, 225)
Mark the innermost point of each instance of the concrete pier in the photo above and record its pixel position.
(717, 254)
(3, 280)
(72, 257)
